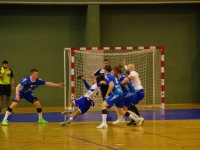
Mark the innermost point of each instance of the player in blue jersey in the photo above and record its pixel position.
(114, 96)
(128, 91)
(136, 82)
(24, 90)
(85, 102)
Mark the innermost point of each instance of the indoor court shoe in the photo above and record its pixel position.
(139, 121)
(4, 122)
(118, 121)
(132, 122)
(42, 121)
(64, 113)
(65, 123)
(102, 126)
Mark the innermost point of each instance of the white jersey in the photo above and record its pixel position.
(137, 83)
(92, 92)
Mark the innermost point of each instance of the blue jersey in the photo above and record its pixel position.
(128, 87)
(111, 78)
(28, 85)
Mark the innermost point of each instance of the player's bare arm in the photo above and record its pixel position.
(19, 86)
(60, 85)
(132, 78)
(111, 86)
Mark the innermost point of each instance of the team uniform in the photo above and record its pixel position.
(27, 87)
(5, 88)
(116, 95)
(86, 101)
(128, 91)
(138, 87)
(104, 87)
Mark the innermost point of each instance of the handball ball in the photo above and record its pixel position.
(79, 76)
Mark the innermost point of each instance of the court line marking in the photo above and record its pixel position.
(150, 133)
(155, 134)
(92, 142)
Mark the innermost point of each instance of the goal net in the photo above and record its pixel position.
(147, 63)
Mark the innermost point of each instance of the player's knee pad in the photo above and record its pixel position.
(104, 111)
(39, 110)
(15, 101)
(34, 100)
(9, 109)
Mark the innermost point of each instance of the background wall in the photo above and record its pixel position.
(34, 36)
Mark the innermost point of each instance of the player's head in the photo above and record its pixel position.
(130, 68)
(107, 69)
(99, 78)
(34, 73)
(105, 62)
(5, 64)
(117, 70)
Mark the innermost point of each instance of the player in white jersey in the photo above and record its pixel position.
(136, 82)
(85, 102)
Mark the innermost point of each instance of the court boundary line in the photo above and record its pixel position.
(81, 139)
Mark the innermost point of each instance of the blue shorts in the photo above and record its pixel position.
(30, 97)
(139, 97)
(84, 104)
(117, 100)
(128, 98)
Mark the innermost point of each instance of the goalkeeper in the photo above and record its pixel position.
(85, 102)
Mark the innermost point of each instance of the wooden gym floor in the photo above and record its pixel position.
(176, 128)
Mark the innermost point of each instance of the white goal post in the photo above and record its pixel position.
(148, 61)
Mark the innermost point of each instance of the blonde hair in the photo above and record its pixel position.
(131, 66)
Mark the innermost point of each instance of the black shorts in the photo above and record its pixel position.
(104, 89)
(5, 89)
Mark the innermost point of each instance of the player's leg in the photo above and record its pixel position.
(30, 97)
(84, 105)
(1, 102)
(133, 108)
(70, 108)
(120, 118)
(128, 97)
(8, 93)
(104, 111)
(2, 93)
(39, 111)
(110, 101)
(9, 111)
(133, 116)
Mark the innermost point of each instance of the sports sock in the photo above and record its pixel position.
(135, 110)
(8, 112)
(104, 116)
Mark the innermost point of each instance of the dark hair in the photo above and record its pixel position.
(5, 62)
(118, 69)
(34, 70)
(99, 78)
(106, 60)
(108, 68)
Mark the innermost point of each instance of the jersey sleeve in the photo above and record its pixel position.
(24, 81)
(132, 75)
(106, 78)
(97, 72)
(11, 73)
(86, 84)
(41, 82)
